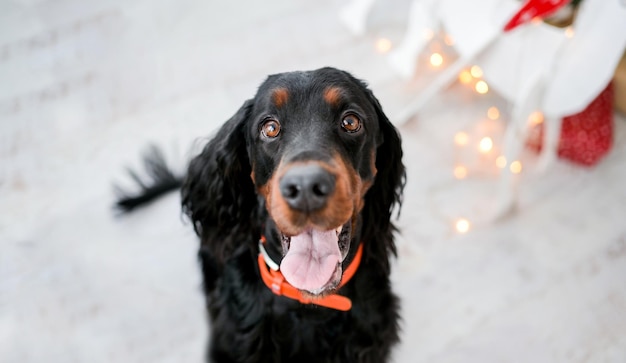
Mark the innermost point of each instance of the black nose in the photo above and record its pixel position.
(307, 187)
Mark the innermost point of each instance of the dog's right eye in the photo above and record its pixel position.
(270, 128)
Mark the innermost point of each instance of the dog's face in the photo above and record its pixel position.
(312, 140)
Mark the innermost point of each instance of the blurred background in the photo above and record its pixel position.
(505, 254)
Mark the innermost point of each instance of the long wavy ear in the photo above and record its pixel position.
(386, 193)
(218, 194)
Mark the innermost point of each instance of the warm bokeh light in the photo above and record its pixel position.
(383, 45)
(569, 32)
(465, 77)
(461, 138)
(448, 40)
(481, 87)
(485, 145)
(476, 71)
(493, 113)
(436, 60)
(460, 172)
(462, 225)
(535, 118)
(501, 162)
(516, 167)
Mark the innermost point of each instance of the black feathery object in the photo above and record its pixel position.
(160, 179)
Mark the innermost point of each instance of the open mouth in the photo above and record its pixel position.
(312, 259)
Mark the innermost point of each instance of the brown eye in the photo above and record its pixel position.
(351, 123)
(270, 128)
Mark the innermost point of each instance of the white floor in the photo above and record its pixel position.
(84, 86)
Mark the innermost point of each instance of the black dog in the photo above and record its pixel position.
(311, 167)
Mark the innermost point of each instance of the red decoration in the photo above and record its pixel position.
(534, 9)
(586, 136)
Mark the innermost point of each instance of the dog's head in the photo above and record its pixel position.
(323, 161)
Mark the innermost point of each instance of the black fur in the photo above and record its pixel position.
(248, 322)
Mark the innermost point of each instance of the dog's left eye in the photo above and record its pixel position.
(270, 128)
(351, 123)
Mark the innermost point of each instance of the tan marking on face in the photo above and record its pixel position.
(367, 184)
(332, 95)
(359, 190)
(338, 210)
(373, 163)
(280, 96)
(343, 205)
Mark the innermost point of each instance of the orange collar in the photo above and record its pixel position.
(275, 281)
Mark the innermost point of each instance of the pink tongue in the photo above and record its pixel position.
(311, 260)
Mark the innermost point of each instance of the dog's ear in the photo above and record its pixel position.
(218, 194)
(386, 193)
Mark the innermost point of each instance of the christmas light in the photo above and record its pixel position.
(436, 60)
(493, 113)
(448, 40)
(461, 138)
(569, 32)
(460, 172)
(476, 72)
(462, 225)
(481, 87)
(383, 45)
(501, 162)
(535, 118)
(515, 167)
(485, 145)
(465, 77)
